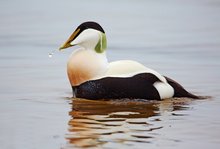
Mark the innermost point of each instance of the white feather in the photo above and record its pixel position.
(128, 68)
(164, 90)
(87, 39)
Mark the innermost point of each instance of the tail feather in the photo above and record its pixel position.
(179, 91)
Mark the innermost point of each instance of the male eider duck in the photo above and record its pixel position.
(93, 77)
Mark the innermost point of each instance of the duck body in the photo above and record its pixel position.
(141, 86)
(93, 77)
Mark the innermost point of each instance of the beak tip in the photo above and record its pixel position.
(63, 47)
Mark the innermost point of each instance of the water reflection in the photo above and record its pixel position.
(122, 122)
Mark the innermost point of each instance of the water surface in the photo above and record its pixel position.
(179, 39)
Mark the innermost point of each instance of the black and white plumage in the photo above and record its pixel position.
(93, 77)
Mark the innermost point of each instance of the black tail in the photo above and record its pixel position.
(179, 91)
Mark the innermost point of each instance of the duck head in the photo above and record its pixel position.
(89, 35)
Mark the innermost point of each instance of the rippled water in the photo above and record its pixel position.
(179, 39)
(122, 123)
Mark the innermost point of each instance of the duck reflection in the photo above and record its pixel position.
(104, 123)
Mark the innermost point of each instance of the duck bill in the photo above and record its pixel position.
(65, 45)
(68, 44)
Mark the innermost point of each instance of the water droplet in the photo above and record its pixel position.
(51, 53)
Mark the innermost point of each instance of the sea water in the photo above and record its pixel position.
(179, 39)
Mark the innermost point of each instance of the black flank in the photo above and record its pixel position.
(137, 87)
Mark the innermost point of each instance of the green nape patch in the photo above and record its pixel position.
(102, 44)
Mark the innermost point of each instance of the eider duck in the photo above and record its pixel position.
(93, 77)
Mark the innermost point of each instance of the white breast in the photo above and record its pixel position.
(84, 65)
